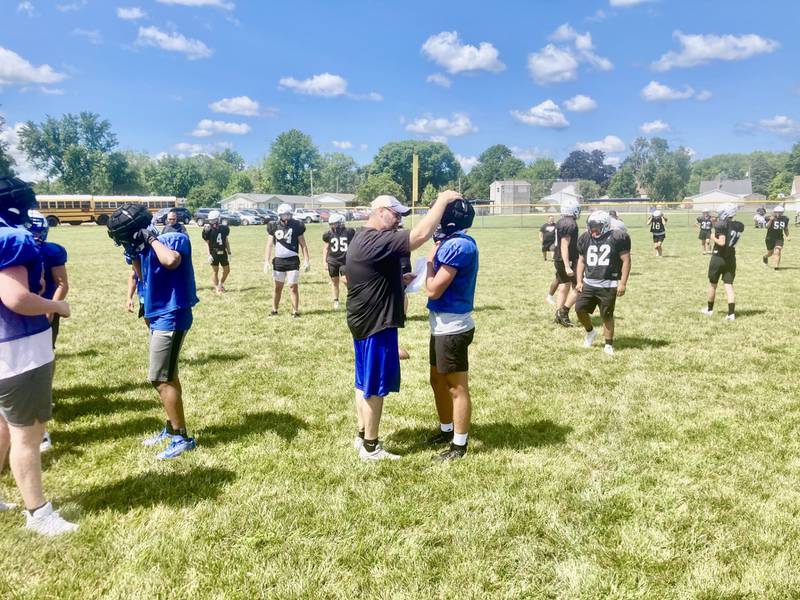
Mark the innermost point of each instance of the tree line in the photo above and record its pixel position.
(80, 154)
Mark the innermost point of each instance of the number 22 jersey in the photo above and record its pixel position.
(602, 257)
(732, 230)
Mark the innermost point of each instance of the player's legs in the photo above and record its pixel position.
(225, 271)
(770, 251)
(26, 463)
(359, 414)
(608, 330)
(461, 402)
(711, 296)
(563, 294)
(371, 411)
(442, 396)
(335, 288)
(5, 442)
(171, 395)
(551, 291)
(778, 252)
(215, 276)
(585, 319)
(544, 254)
(294, 292)
(276, 297)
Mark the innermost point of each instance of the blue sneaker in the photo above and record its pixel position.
(177, 446)
(157, 439)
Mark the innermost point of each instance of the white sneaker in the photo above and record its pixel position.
(335, 305)
(47, 521)
(550, 300)
(6, 506)
(608, 349)
(589, 338)
(378, 454)
(706, 312)
(358, 442)
(730, 317)
(46, 444)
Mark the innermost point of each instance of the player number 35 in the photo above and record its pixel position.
(598, 255)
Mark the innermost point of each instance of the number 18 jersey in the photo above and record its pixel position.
(602, 257)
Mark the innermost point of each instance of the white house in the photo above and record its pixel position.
(510, 197)
(723, 191)
(563, 190)
(240, 200)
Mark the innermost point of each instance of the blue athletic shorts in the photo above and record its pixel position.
(378, 363)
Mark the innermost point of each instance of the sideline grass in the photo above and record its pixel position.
(669, 471)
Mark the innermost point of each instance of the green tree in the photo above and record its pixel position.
(496, 163)
(541, 174)
(338, 174)
(437, 164)
(375, 185)
(665, 174)
(429, 194)
(580, 164)
(172, 176)
(6, 160)
(761, 173)
(781, 185)
(239, 183)
(292, 156)
(792, 165)
(589, 189)
(205, 195)
(623, 184)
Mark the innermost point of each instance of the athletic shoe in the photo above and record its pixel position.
(550, 300)
(358, 442)
(440, 437)
(588, 339)
(765, 260)
(222, 288)
(608, 349)
(706, 312)
(177, 446)
(335, 305)
(218, 290)
(157, 439)
(379, 453)
(273, 313)
(776, 268)
(730, 317)
(6, 506)
(46, 444)
(295, 315)
(454, 452)
(564, 321)
(47, 521)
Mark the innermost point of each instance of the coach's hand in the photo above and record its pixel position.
(62, 308)
(621, 289)
(449, 196)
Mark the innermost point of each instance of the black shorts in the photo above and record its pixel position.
(405, 264)
(659, 238)
(219, 259)
(291, 263)
(773, 243)
(548, 247)
(704, 235)
(141, 309)
(450, 353)
(54, 327)
(335, 269)
(722, 267)
(591, 297)
(561, 273)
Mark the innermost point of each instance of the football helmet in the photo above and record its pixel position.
(213, 216)
(125, 227)
(656, 213)
(285, 210)
(726, 211)
(457, 216)
(599, 222)
(335, 220)
(16, 199)
(778, 209)
(570, 207)
(38, 225)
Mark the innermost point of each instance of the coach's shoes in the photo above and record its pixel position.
(730, 317)
(454, 452)
(46, 444)
(440, 437)
(608, 349)
(164, 434)
(177, 446)
(706, 312)
(380, 453)
(47, 521)
(588, 339)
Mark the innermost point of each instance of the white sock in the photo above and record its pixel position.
(446, 427)
(460, 439)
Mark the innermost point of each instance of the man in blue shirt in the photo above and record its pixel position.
(164, 265)
(450, 283)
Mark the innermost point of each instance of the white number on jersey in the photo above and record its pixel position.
(338, 244)
(280, 234)
(598, 255)
(219, 239)
(778, 225)
(733, 238)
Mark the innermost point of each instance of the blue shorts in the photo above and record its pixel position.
(378, 363)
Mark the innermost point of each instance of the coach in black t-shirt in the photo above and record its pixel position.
(375, 307)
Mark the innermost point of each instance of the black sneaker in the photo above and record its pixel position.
(765, 260)
(453, 453)
(440, 437)
(563, 320)
(295, 315)
(273, 313)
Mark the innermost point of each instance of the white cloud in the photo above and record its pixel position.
(24, 170)
(704, 95)
(441, 139)
(527, 154)
(132, 13)
(439, 79)
(614, 161)
(446, 49)
(651, 127)
(188, 149)
(580, 103)
(700, 49)
(325, 84)
(624, 3)
(214, 3)
(342, 144)
(546, 114)
(610, 143)
(441, 128)
(556, 64)
(93, 36)
(658, 92)
(779, 125)
(243, 106)
(27, 8)
(173, 42)
(207, 127)
(598, 16)
(467, 162)
(71, 7)
(16, 70)
(43, 90)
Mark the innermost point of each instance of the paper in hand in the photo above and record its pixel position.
(421, 269)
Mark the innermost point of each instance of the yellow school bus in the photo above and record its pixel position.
(77, 209)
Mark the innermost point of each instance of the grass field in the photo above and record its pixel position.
(668, 471)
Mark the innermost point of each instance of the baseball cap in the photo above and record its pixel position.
(391, 203)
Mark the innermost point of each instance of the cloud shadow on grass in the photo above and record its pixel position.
(492, 435)
(639, 343)
(749, 312)
(214, 357)
(284, 425)
(174, 488)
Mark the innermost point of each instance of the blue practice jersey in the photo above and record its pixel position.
(460, 252)
(53, 255)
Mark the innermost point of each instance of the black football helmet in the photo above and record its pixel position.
(16, 199)
(457, 216)
(125, 226)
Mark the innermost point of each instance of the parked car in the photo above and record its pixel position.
(227, 217)
(184, 215)
(201, 215)
(267, 214)
(324, 214)
(249, 217)
(306, 215)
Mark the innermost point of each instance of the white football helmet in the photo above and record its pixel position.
(213, 215)
(726, 211)
(656, 213)
(778, 209)
(284, 209)
(599, 219)
(335, 218)
(570, 207)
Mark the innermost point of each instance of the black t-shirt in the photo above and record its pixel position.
(704, 223)
(548, 231)
(374, 281)
(732, 230)
(777, 228)
(657, 226)
(601, 255)
(286, 236)
(338, 241)
(566, 227)
(216, 238)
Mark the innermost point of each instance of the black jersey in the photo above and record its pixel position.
(566, 227)
(704, 223)
(657, 226)
(216, 238)
(777, 228)
(732, 230)
(602, 256)
(338, 240)
(548, 231)
(286, 236)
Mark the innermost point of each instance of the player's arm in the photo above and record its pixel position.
(437, 282)
(649, 220)
(17, 297)
(268, 251)
(423, 230)
(169, 258)
(664, 218)
(325, 246)
(131, 290)
(541, 237)
(719, 240)
(302, 241)
(625, 257)
(581, 268)
(228, 244)
(786, 231)
(564, 243)
(62, 282)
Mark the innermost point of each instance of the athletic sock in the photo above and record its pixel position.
(731, 308)
(460, 439)
(360, 433)
(169, 428)
(609, 342)
(710, 306)
(446, 427)
(370, 445)
(33, 510)
(181, 432)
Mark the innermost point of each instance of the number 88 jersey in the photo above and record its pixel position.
(602, 256)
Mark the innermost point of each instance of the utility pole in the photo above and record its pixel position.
(312, 181)
(414, 184)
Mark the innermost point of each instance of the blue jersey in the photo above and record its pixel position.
(460, 252)
(169, 295)
(53, 255)
(18, 248)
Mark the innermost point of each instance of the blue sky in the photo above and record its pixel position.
(543, 77)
